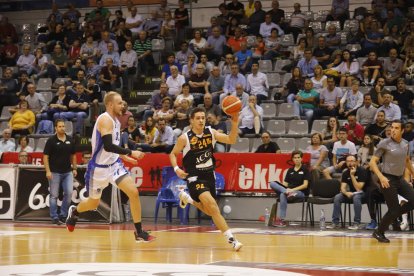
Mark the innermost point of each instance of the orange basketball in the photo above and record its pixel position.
(231, 105)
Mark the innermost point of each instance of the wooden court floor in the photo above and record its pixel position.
(297, 249)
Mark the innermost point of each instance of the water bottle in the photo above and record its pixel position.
(266, 216)
(322, 221)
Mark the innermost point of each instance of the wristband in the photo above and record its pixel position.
(176, 168)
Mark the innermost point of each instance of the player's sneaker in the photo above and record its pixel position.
(404, 226)
(236, 244)
(143, 237)
(71, 219)
(183, 199)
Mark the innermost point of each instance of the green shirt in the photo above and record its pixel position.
(304, 94)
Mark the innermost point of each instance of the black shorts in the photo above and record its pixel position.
(205, 182)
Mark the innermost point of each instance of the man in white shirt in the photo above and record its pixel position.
(134, 22)
(251, 118)
(7, 145)
(175, 82)
(25, 61)
(257, 83)
(36, 101)
(267, 26)
(127, 63)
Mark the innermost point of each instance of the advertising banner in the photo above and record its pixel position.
(7, 187)
(32, 196)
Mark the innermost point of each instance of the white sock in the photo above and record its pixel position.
(228, 234)
(189, 199)
(404, 218)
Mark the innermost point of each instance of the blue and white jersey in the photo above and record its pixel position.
(99, 155)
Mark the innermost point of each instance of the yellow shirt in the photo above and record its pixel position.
(249, 10)
(21, 120)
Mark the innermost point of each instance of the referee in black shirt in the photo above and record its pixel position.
(395, 159)
(59, 153)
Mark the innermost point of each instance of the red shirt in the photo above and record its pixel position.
(234, 43)
(358, 135)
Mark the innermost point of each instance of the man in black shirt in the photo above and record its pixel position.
(377, 130)
(236, 9)
(59, 154)
(268, 146)
(404, 98)
(322, 53)
(352, 184)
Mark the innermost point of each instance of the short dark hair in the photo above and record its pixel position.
(59, 121)
(295, 152)
(195, 110)
(343, 129)
(399, 122)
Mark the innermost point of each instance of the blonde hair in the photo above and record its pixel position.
(109, 97)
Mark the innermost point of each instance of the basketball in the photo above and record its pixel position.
(231, 105)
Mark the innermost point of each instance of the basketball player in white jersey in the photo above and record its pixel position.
(197, 145)
(106, 167)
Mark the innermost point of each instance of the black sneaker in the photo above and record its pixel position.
(71, 219)
(56, 221)
(62, 220)
(143, 237)
(380, 237)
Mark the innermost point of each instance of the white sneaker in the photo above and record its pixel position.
(184, 197)
(236, 244)
(404, 226)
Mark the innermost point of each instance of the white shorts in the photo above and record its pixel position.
(97, 177)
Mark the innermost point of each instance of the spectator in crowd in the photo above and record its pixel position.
(164, 139)
(267, 146)
(257, 84)
(168, 27)
(23, 158)
(101, 10)
(25, 60)
(39, 65)
(278, 15)
(72, 14)
(236, 9)
(351, 100)
(56, 37)
(74, 69)
(355, 131)
(312, 41)
(294, 85)
(297, 21)
(36, 101)
(299, 49)
(130, 135)
(366, 151)
(319, 156)
(207, 64)
(211, 107)
(216, 81)
(8, 89)
(339, 11)
(7, 29)
(307, 64)
(58, 105)
(89, 49)
(408, 131)
(175, 82)
(251, 118)
(134, 22)
(294, 186)
(225, 67)
(23, 82)
(198, 43)
(94, 92)
(6, 144)
(152, 26)
(333, 39)
(184, 95)
(92, 69)
(306, 101)
(391, 110)
(182, 117)
(319, 79)
(220, 126)
(267, 26)
(341, 149)
(244, 58)
(103, 44)
(156, 100)
(371, 68)
(322, 53)
(377, 130)
(189, 68)
(404, 98)
(125, 114)
(109, 76)
(272, 45)
(182, 21)
(166, 68)
(59, 63)
(127, 63)
(122, 35)
(365, 115)
(165, 113)
(8, 53)
(348, 69)
(223, 20)
(392, 68)
(162, 8)
(71, 36)
(372, 40)
(329, 100)
(23, 120)
(377, 92)
(330, 133)
(181, 56)
(231, 80)
(112, 54)
(78, 108)
(234, 42)
(256, 18)
(408, 67)
(215, 45)
(213, 23)
(148, 131)
(239, 93)
(353, 181)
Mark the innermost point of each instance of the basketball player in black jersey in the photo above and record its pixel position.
(197, 146)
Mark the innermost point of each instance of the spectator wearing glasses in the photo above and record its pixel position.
(267, 146)
(23, 158)
(6, 144)
(189, 68)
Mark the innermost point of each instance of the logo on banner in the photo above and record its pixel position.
(5, 197)
(259, 176)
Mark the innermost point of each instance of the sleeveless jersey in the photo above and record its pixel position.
(198, 152)
(99, 155)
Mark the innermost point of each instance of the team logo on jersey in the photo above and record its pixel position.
(193, 140)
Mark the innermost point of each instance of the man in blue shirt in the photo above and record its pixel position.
(244, 58)
(307, 63)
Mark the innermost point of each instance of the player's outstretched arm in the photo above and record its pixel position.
(179, 146)
(230, 138)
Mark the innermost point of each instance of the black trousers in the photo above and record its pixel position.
(398, 186)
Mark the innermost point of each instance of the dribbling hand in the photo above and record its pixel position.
(181, 174)
(137, 154)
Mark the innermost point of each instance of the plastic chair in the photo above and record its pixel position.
(269, 110)
(265, 66)
(297, 128)
(276, 128)
(286, 145)
(242, 145)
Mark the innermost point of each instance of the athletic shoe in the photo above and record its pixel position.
(56, 221)
(183, 199)
(404, 226)
(71, 219)
(280, 223)
(236, 244)
(143, 237)
(355, 226)
(372, 225)
(380, 237)
(333, 226)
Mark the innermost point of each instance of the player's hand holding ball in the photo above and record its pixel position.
(232, 105)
